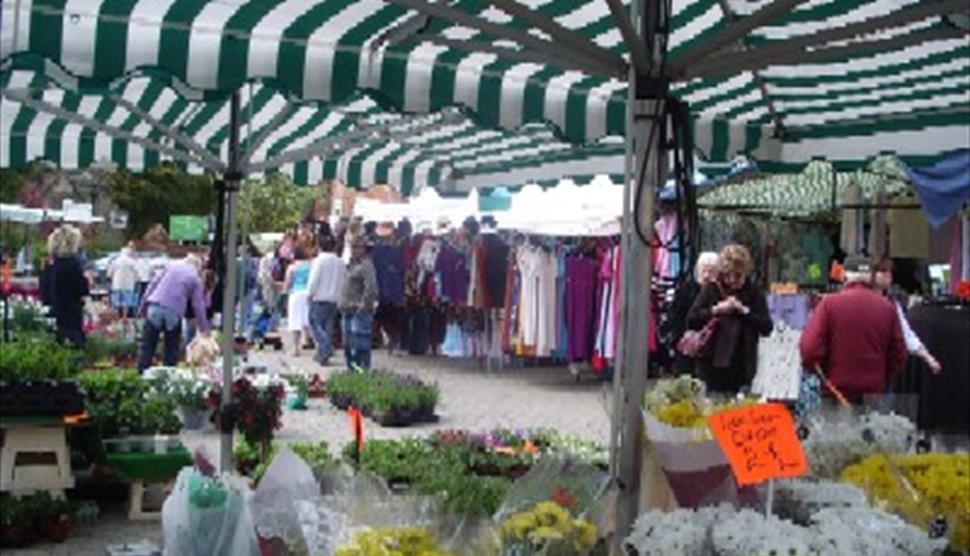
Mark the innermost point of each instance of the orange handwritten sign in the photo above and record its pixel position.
(760, 442)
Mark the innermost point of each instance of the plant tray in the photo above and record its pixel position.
(405, 418)
(40, 397)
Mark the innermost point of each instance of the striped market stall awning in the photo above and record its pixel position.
(471, 93)
(817, 189)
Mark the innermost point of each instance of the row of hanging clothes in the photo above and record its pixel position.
(440, 294)
(562, 300)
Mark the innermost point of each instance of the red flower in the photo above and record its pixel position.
(963, 290)
(564, 498)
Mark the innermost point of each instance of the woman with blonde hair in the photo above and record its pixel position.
(741, 312)
(66, 285)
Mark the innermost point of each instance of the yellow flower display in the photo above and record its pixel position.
(405, 541)
(548, 524)
(920, 488)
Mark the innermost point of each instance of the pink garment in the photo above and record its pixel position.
(666, 230)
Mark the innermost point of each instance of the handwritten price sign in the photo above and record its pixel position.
(760, 442)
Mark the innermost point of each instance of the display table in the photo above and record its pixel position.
(35, 456)
(144, 468)
(942, 398)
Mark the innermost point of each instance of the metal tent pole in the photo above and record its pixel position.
(233, 179)
(646, 170)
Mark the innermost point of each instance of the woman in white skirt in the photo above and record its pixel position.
(296, 284)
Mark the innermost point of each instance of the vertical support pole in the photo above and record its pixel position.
(233, 178)
(646, 128)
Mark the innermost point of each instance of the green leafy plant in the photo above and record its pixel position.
(249, 462)
(37, 357)
(300, 382)
(28, 319)
(189, 393)
(106, 392)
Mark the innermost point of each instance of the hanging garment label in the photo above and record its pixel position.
(760, 442)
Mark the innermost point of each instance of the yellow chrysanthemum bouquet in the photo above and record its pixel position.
(547, 528)
(928, 490)
(682, 403)
(401, 541)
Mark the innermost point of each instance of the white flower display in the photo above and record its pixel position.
(750, 533)
(835, 442)
(866, 531)
(799, 499)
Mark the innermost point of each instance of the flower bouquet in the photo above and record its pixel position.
(838, 439)
(931, 491)
(675, 420)
(547, 528)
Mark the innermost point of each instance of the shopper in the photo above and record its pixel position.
(327, 276)
(296, 286)
(705, 272)
(166, 302)
(358, 301)
(742, 316)
(883, 281)
(124, 275)
(66, 284)
(854, 336)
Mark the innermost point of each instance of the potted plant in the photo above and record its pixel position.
(255, 412)
(297, 400)
(130, 418)
(15, 523)
(189, 395)
(51, 517)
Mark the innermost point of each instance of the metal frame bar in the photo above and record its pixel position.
(253, 145)
(788, 54)
(758, 79)
(925, 9)
(501, 31)
(736, 31)
(112, 131)
(522, 55)
(182, 139)
(407, 29)
(233, 179)
(634, 44)
(563, 35)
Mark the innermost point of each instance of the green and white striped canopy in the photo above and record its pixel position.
(817, 189)
(472, 93)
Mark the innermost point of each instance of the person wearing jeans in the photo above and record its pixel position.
(165, 303)
(358, 300)
(327, 276)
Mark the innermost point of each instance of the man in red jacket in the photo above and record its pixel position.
(855, 336)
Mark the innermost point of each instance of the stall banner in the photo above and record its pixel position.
(760, 443)
(188, 228)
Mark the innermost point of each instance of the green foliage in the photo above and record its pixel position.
(22, 511)
(11, 184)
(100, 349)
(37, 357)
(28, 318)
(248, 461)
(276, 203)
(189, 393)
(165, 190)
(300, 382)
(121, 400)
(383, 392)
(468, 495)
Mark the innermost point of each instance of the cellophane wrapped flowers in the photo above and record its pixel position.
(929, 490)
(840, 439)
(546, 527)
(401, 541)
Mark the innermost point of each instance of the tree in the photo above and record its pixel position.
(165, 190)
(276, 203)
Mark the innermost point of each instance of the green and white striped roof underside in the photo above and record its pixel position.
(810, 192)
(897, 83)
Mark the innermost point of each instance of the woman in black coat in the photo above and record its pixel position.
(742, 313)
(66, 284)
(674, 326)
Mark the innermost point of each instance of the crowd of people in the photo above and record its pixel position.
(857, 339)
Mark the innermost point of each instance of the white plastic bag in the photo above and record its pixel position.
(224, 528)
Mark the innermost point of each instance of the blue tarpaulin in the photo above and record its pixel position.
(942, 188)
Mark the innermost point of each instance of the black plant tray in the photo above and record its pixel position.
(40, 397)
(404, 418)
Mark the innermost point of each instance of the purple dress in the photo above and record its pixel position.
(580, 306)
(452, 266)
